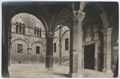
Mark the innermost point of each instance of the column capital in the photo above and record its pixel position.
(110, 30)
(81, 15)
(50, 34)
(78, 15)
(74, 12)
(106, 31)
(75, 52)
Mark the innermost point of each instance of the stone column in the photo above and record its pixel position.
(60, 46)
(76, 54)
(97, 44)
(5, 44)
(96, 54)
(107, 49)
(49, 51)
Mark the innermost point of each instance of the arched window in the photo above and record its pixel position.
(23, 28)
(37, 31)
(16, 27)
(66, 43)
(40, 32)
(54, 47)
(20, 28)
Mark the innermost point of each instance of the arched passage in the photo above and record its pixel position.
(61, 44)
(7, 30)
(92, 36)
(65, 16)
(101, 16)
(27, 27)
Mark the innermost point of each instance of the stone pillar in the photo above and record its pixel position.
(76, 53)
(5, 44)
(49, 51)
(107, 49)
(96, 54)
(60, 46)
(97, 45)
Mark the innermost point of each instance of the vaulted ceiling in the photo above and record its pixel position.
(54, 13)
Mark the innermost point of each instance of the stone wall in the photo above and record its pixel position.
(29, 40)
(64, 53)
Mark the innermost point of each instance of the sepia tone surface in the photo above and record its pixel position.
(60, 39)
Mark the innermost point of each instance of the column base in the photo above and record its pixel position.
(76, 75)
(5, 74)
(104, 70)
(49, 69)
(96, 68)
(107, 71)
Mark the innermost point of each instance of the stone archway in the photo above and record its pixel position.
(61, 33)
(8, 14)
(104, 51)
(73, 17)
(33, 31)
(32, 9)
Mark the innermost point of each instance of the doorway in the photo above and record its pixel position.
(89, 56)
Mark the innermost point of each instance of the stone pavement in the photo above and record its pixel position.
(39, 71)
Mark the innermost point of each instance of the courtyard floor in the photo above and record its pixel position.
(59, 71)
